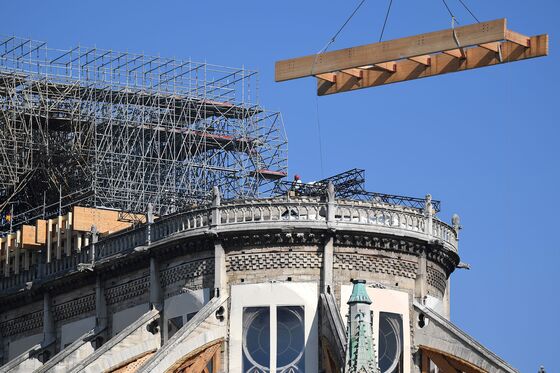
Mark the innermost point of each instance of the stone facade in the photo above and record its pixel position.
(263, 241)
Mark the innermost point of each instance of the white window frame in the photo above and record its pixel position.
(274, 295)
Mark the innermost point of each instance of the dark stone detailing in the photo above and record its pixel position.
(434, 252)
(375, 264)
(264, 261)
(128, 290)
(186, 271)
(74, 307)
(22, 324)
(437, 279)
(271, 239)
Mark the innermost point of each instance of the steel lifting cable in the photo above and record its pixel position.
(468, 10)
(324, 49)
(385, 22)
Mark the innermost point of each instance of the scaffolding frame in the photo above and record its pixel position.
(119, 130)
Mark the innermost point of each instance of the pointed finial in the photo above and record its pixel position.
(456, 222)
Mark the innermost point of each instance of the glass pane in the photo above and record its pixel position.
(390, 342)
(256, 339)
(290, 342)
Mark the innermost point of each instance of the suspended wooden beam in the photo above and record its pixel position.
(414, 57)
(440, 64)
(391, 50)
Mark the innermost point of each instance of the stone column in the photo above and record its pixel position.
(155, 285)
(100, 304)
(328, 248)
(49, 331)
(421, 287)
(220, 272)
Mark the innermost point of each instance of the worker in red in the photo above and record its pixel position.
(296, 184)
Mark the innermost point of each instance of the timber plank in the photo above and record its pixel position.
(440, 64)
(391, 50)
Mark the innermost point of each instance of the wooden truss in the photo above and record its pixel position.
(445, 362)
(462, 48)
(204, 360)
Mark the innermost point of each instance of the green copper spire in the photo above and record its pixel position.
(360, 352)
(359, 293)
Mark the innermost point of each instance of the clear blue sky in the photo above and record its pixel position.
(485, 142)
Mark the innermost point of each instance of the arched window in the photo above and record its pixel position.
(390, 342)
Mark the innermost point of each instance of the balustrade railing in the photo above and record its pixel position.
(245, 212)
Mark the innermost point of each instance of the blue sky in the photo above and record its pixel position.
(485, 142)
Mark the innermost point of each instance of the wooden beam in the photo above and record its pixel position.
(203, 359)
(356, 73)
(518, 38)
(423, 60)
(441, 363)
(329, 77)
(447, 362)
(425, 362)
(457, 53)
(392, 50)
(386, 66)
(494, 47)
(440, 64)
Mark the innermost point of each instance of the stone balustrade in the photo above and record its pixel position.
(248, 215)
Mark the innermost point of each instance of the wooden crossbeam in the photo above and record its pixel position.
(457, 53)
(441, 63)
(392, 50)
(329, 77)
(494, 47)
(356, 73)
(424, 60)
(517, 38)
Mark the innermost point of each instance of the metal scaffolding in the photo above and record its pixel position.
(120, 130)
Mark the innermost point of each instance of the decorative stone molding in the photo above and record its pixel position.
(264, 261)
(375, 264)
(436, 279)
(245, 240)
(128, 290)
(74, 307)
(22, 323)
(186, 271)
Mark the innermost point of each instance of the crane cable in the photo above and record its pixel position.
(323, 50)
